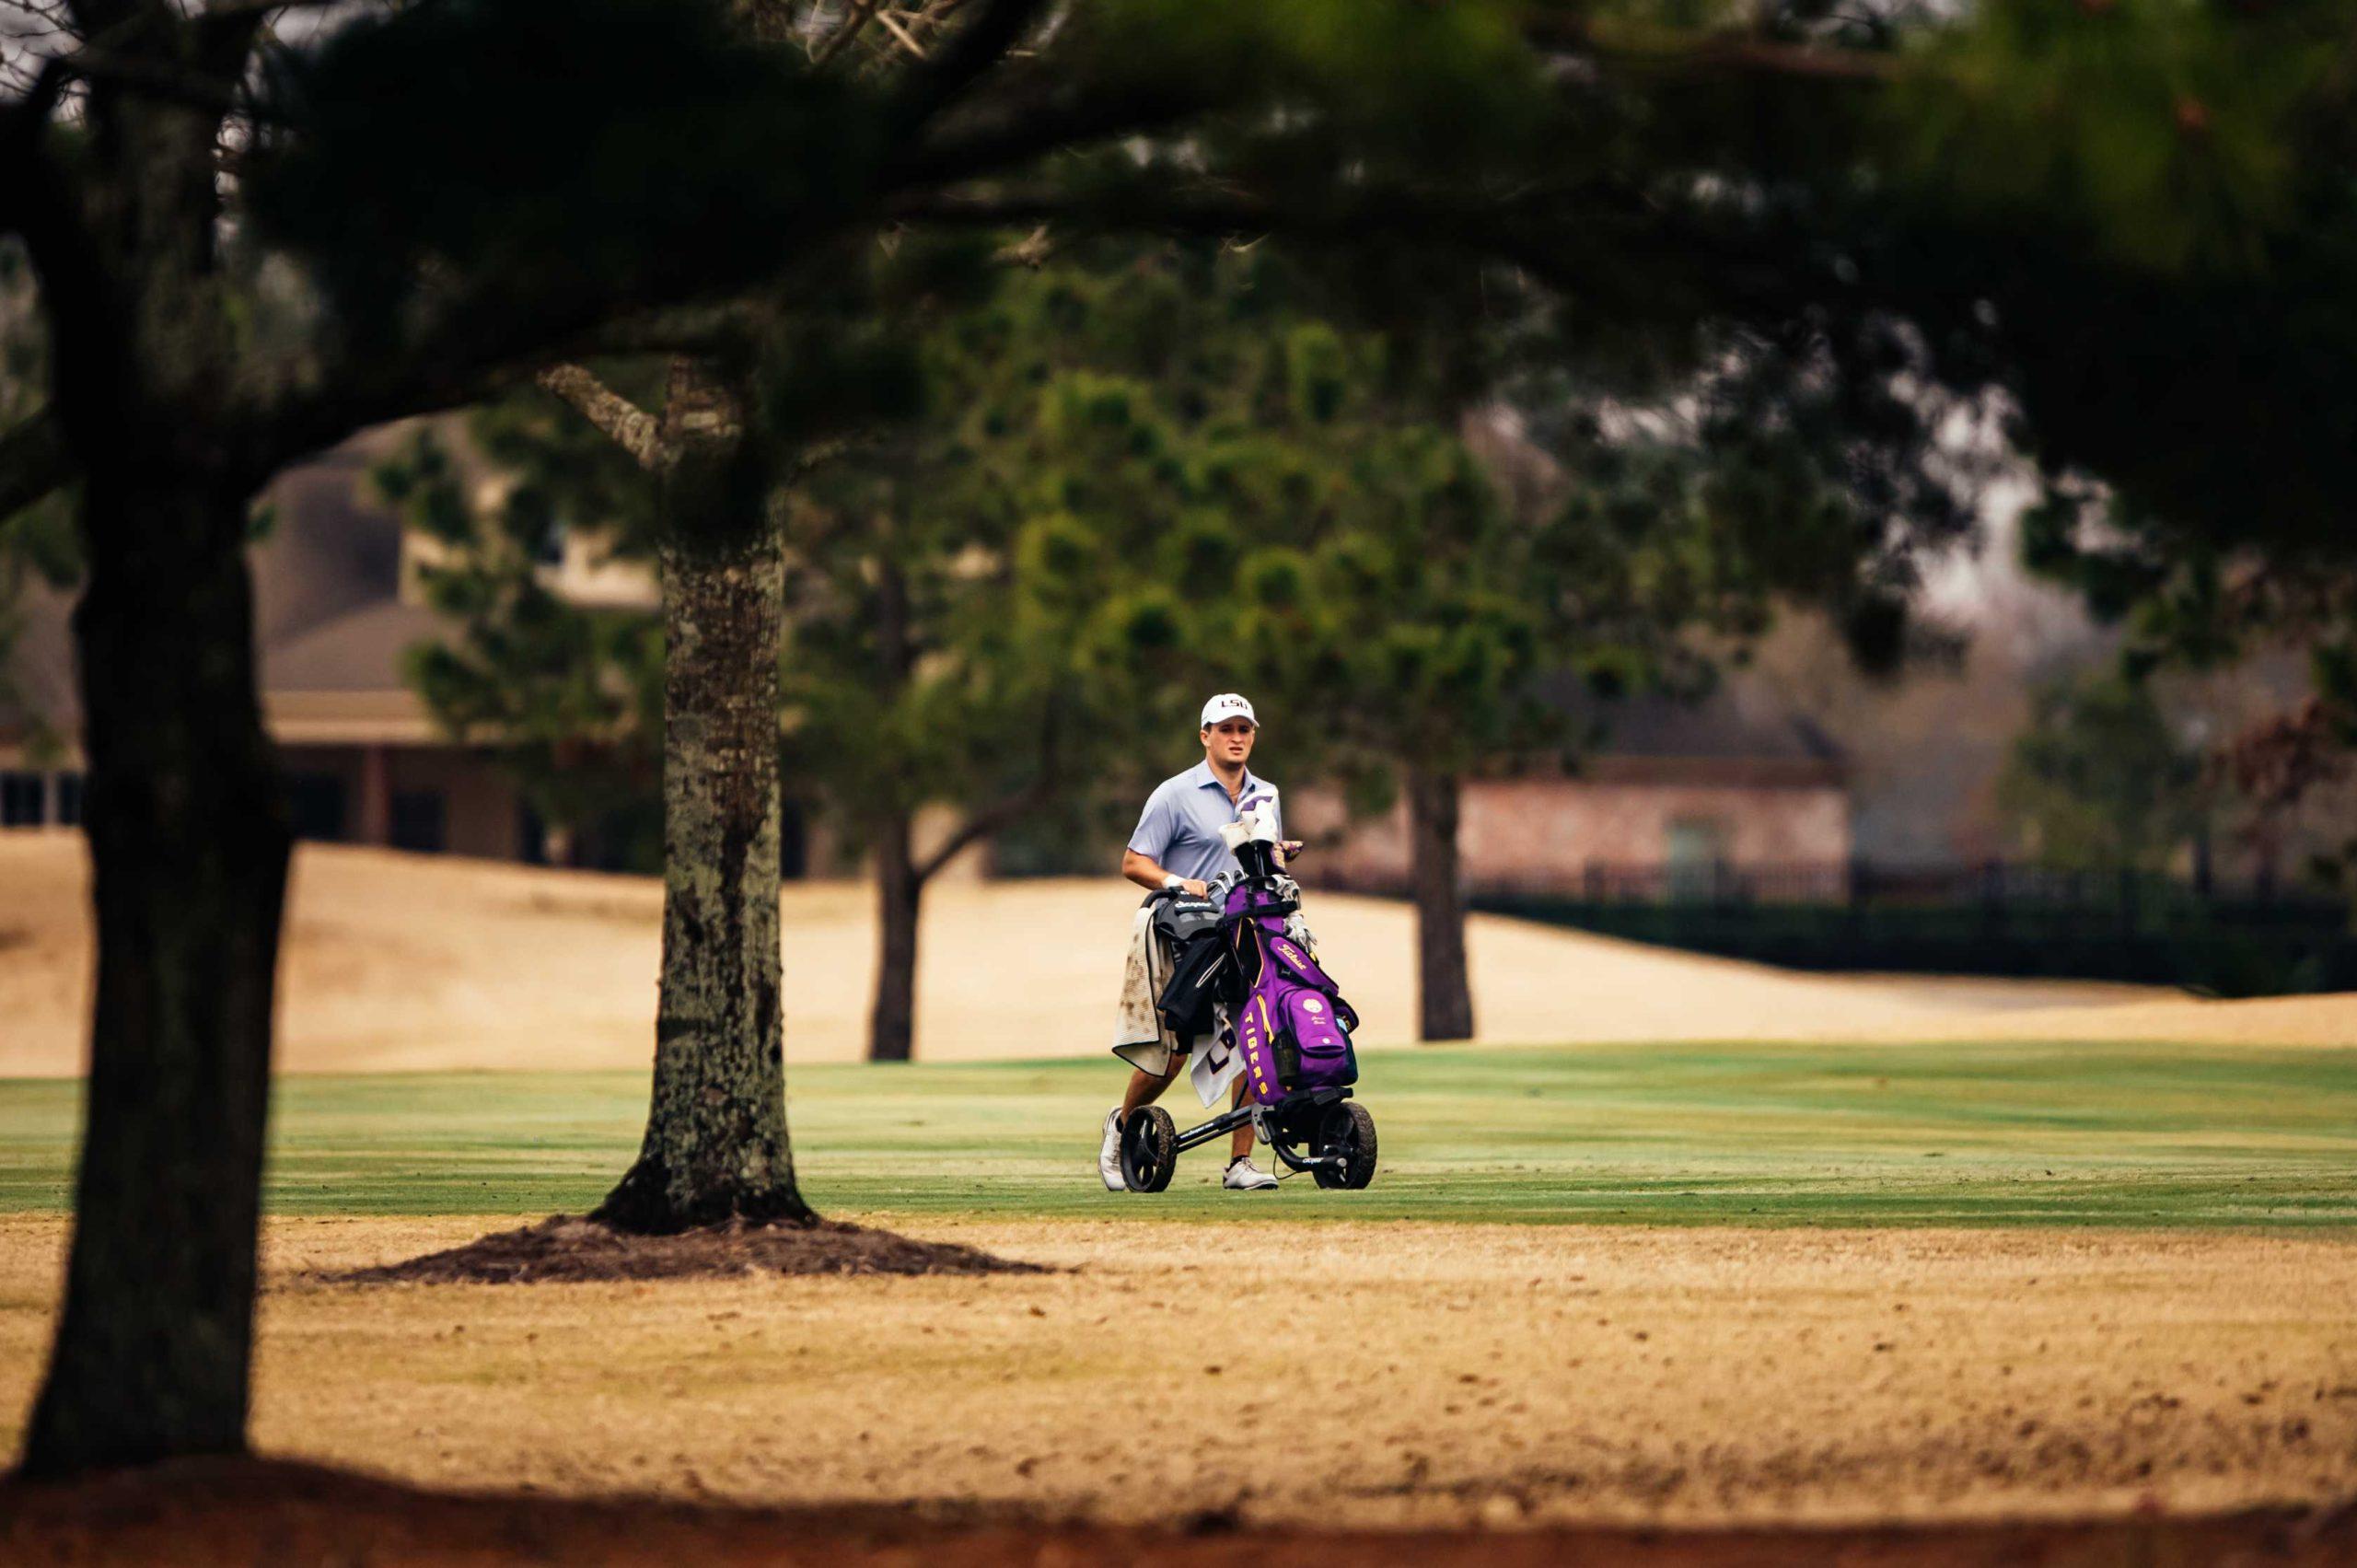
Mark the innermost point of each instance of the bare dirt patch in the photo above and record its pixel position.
(240, 1512)
(567, 1249)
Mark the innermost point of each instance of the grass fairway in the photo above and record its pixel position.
(1914, 1136)
(1653, 1136)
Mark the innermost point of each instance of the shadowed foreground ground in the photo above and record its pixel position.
(294, 1516)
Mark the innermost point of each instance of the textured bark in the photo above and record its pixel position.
(189, 842)
(717, 1146)
(184, 811)
(1443, 993)
(891, 1026)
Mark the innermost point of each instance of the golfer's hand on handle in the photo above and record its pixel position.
(1199, 888)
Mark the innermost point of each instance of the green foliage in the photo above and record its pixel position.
(2166, 132)
(557, 160)
(1448, 87)
(37, 543)
(2146, 212)
(2097, 781)
(568, 697)
(973, 618)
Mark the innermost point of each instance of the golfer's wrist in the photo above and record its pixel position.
(1172, 879)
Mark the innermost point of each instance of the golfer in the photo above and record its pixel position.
(1176, 844)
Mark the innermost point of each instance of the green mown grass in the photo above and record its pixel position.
(1973, 1135)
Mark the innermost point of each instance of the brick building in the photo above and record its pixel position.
(1673, 798)
(335, 609)
(1671, 791)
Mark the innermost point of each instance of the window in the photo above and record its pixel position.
(23, 799)
(417, 818)
(1696, 858)
(69, 800)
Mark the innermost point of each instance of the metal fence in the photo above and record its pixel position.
(2242, 936)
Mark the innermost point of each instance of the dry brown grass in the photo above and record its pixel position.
(1390, 1374)
(401, 962)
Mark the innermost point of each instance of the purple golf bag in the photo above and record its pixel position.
(1292, 1024)
(1293, 1029)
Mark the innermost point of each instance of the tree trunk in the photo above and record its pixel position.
(188, 841)
(1443, 993)
(891, 1026)
(717, 1146)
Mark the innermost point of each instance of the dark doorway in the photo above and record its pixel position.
(316, 803)
(417, 820)
(531, 836)
(21, 800)
(792, 842)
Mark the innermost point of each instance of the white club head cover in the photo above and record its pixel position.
(1248, 825)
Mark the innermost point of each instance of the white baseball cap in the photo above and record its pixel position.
(1228, 706)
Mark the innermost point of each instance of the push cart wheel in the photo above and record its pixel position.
(1348, 1130)
(1149, 1149)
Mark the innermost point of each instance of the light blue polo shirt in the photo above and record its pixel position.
(1179, 830)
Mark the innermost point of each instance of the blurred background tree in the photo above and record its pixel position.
(37, 543)
(2101, 782)
(2146, 215)
(567, 696)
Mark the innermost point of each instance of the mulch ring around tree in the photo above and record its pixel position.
(567, 1249)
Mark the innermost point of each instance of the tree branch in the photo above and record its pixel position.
(901, 34)
(33, 462)
(225, 39)
(265, 9)
(690, 329)
(1215, 217)
(1024, 131)
(978, 827)
(96, 16)
(841, 37)
(999, 814)
(970, 50)
(23, 165)
(197, 90)
(1725, 53)
(1547, 233)
(632, 428)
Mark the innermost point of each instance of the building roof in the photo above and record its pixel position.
(38, 686)
(358, 651)
(330, 547)
(1737, 732)
(1722, 725)
(329, 627)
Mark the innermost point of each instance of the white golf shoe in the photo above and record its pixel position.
(1243, 1176)
(1109, 1158)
